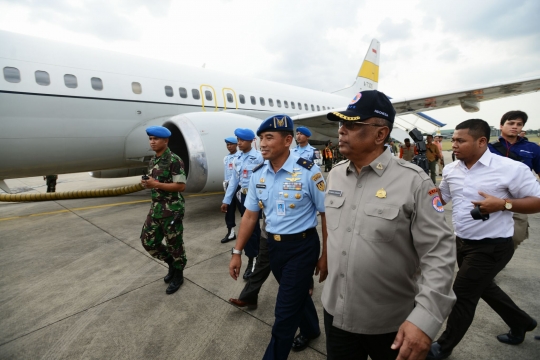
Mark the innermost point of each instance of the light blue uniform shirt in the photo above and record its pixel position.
(307, 152)
(299, 191)
(243, 168)
(228, 162)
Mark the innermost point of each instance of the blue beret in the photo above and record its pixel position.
(276, 123)
(304, 130)
(231, 140)
(244, 134)
(158, 131)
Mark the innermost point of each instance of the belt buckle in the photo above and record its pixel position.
(277, 237)
(303, 235)
(244, 191)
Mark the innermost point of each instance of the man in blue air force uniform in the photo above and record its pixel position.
(228, 163)
(290, 190)
(304, 149)
(247, 159)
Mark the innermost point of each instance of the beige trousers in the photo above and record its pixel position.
(521, 229)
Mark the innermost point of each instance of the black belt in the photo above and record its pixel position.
(288, 237)
(486, 241)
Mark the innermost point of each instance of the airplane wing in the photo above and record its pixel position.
(468, 99)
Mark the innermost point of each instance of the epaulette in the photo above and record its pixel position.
(305, 163)
(258, 167)
(410, 165)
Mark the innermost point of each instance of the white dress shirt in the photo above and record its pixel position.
(494, 175)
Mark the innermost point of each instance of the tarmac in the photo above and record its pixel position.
(77, 284)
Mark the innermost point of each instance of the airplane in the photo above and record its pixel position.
(67, 108)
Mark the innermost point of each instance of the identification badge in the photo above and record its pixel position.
(230, 166)
(289, 185)
(245, 174)
(280, 207)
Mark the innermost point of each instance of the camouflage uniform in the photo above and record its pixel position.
(167, 168)
(51, 182)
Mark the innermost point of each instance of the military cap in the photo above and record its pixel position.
(304, 130)
(231, 140)
(276, 123)
(365, 105)
(244, 134)
(158, 131)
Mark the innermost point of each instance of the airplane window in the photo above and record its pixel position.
(196, 94)
(262, 101)
(278, 103)
(305, 106)
(318, 108)
(299, 106)
(229, 97)
(42, 78)
(324, 108)
(270, 102)
(292, 104)
(97, 84)
(242, 99)
(12, 75)
(136, 87)
(70, 81)
(169, 91)
(253, 100)
(208, 95)
(312, 107)
(182, 92)
(286, 104)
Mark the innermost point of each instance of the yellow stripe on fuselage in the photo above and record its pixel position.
(369, 71)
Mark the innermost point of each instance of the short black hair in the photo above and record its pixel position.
(477, 128)
(407, 139)
(514, 115)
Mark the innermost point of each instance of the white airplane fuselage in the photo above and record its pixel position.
(54, 129)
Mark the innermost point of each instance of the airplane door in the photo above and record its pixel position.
(229, 99)
(208, 97)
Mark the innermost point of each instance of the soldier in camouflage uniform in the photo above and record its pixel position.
(51, 182)
(166, 178)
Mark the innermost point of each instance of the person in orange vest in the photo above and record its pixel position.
(407, 151)
(328, 156)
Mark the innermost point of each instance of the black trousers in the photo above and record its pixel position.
(478, 265)
(230, 215)
(250, 293)
(344, 345)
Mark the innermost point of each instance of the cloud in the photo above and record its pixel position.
(392, 31)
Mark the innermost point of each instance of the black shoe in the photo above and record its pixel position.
(436, 353)
(177, 280)
(227, 237)
(516, 336)
(249, 269)
(170, 274)
(301, 342)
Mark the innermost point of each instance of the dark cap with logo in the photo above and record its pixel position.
(365, 105)
(276, 123)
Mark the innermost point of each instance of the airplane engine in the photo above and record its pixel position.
(198, 138)
(470, 105)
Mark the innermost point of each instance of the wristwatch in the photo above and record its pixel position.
(237, 252)
(507, 204)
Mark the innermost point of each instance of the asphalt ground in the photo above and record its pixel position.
(77, 284)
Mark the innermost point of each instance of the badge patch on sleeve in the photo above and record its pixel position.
(321, 185)
(437, 204)
(432, 192)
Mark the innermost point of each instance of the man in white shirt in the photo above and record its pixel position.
(499, 186)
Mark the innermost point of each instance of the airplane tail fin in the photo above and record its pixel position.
(368, 75)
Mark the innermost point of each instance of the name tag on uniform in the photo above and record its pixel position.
(335, 192)
(280, 207)
(261, 186)
(292, 186)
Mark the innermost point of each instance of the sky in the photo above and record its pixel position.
(426, 46)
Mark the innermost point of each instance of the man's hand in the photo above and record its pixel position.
(151, 183)
(235, 264)
(224, 208)
(322, 268)
(490, 205)
(412, 342)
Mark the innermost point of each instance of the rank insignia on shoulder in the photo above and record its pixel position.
(432, 191)
(307, 164)
(258, 167)
(381, 193)
(316, 177)
(321, 185)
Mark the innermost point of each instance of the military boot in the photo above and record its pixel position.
(177, 280)
(170, 274)
(229, 237)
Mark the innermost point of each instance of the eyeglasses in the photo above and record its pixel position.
(349, 125)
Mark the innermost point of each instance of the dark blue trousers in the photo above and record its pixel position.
(230, 215)
(252, 247)
(293, 263)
